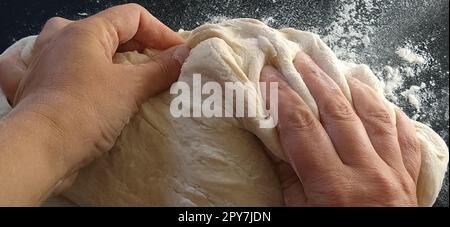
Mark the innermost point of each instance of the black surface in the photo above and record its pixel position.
(421, 22)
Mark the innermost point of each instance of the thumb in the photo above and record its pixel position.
(159, 73)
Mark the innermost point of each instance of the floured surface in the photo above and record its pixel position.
(160, 160)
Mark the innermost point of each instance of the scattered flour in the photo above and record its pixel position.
(217, 19)
(349, 33)
(392, 80)
(268, 20)
(413, 96)
(412, 65)
(409, 56)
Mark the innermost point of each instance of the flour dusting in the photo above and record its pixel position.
(217, 19)
(409, 56)
(351, 35)
(350, 32)
(413, 96)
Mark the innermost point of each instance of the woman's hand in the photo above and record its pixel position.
(353, 156)
(73, 94)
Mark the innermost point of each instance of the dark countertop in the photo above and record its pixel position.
(421, 24)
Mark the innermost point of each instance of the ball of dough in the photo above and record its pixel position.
(160, 160)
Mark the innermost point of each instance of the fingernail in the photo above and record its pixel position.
(181, 53)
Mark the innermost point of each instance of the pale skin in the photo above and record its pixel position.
(72, 102)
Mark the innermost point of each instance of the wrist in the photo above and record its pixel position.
(31, 164)
(64, 131)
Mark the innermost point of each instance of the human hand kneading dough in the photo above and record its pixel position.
(72, 102)
(353, 156)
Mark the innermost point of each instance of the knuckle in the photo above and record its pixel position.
(381, 131)
(134, 5)
(300, 120)
(337, 193)
(75, 28)
(409, 142)
(379, 123)
(55, 22)
(378, 117)
(338, 109)
(394, 188)
(48, 31)
(386, 184)
(96, 28)
(79, 30)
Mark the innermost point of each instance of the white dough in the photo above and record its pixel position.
(160, 160)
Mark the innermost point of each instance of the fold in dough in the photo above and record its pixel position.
(164, 161)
